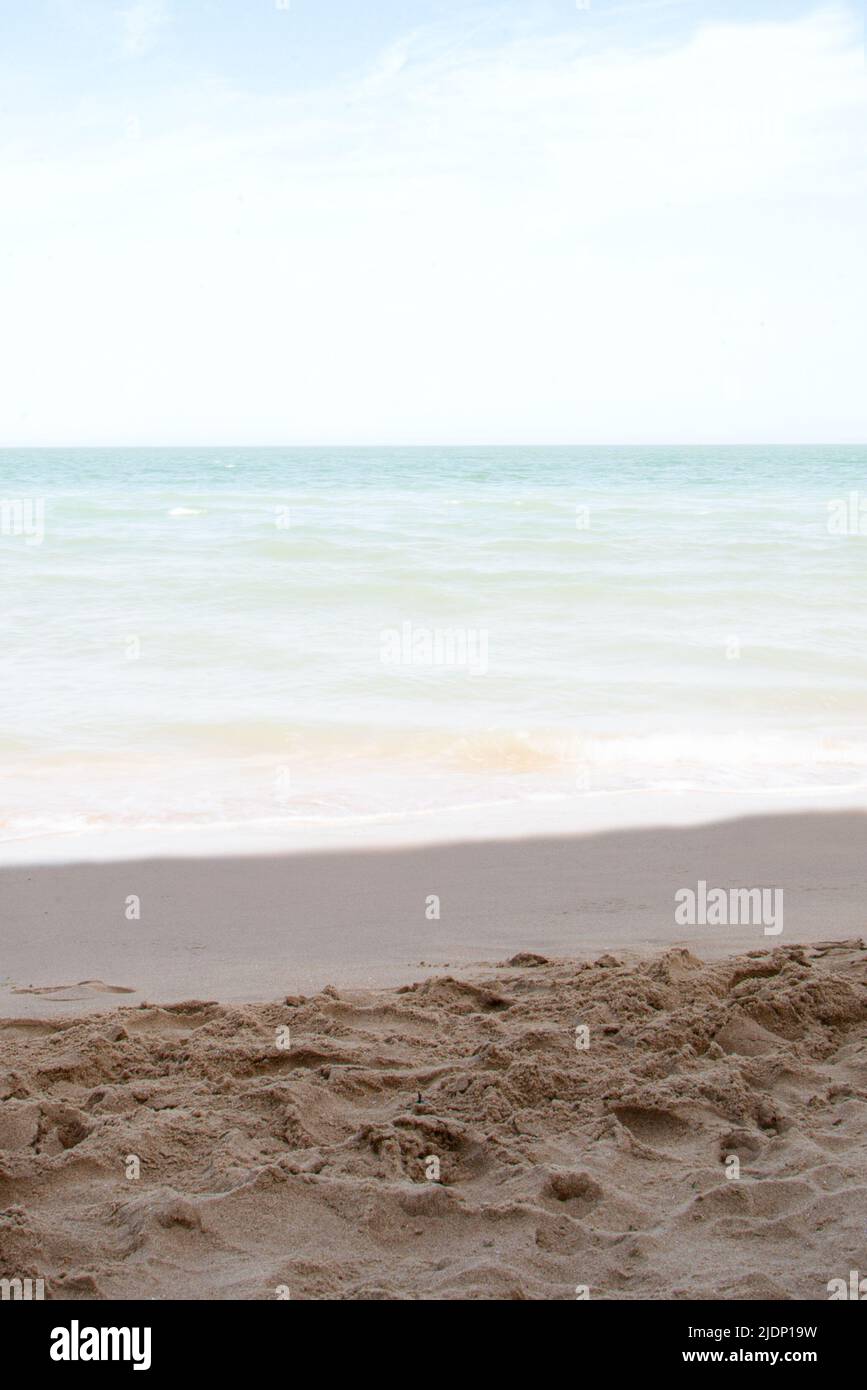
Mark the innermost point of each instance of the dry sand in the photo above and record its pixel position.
(304, 1168)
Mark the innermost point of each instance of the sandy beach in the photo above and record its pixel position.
(539, 1129)
(251, 929)
(284, 1079)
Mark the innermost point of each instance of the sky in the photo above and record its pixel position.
(421, 221)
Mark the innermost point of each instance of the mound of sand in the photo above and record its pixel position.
(452, 1139)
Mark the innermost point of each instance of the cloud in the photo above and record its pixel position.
(547, 238)
(142, 24)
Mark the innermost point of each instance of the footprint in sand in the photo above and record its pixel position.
(64, 994)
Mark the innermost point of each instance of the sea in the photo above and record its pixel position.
(283, 638)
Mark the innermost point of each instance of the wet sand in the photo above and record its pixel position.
(246, 929)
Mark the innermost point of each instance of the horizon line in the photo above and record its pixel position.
(519, 444)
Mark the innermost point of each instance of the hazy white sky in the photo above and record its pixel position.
(322, 221)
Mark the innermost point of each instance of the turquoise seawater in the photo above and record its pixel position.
(200, 636)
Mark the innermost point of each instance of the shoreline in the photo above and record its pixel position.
(247, 929)
(553, 815)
